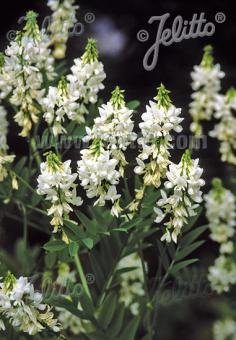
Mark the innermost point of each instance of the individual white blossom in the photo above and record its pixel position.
(159, 120)
(184, 194)
(222, 274)
(23, 306)
(21, 75)
(225, 130)
(5, 159)
(224, 330)
(206, 85)
(62, 20)
(221, 213)
(56, 182)
(87, 75)
(132, 282)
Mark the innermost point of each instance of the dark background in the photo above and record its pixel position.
(115, 27)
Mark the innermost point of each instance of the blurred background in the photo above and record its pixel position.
(115, 26)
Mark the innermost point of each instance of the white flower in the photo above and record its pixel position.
(5, 159)
(65, 275)
(224, 330)
(62, 20)
(56, 182)
(158, 121)
(69, 322)
(184, 182)
(60, 102)
(23, 307)
(87, 75)
(132, 282)
(114, 127)
(206, 84)
(222, 274)
(225, 130)
(21, 73)
(81, 87)
(98, 174)
(103, 163)
(221, 213)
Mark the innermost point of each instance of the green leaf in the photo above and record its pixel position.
(90, 225)
(188, 250)
(117, 322)
(130, 330)
(88, 242)
(54, 245)
(192, 220)
(192, 235)
(73, 248)
(50, 260)
(20, 164)
(73, 230)
(182, 265)
(133, 104)
(67, 304)
(107, 310)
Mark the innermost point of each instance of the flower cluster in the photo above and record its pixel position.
(132, 282)
(79, 88)
(102, 164)
(56, 182)
(21, 75)
(158, 121)
(60, 102)
(183, 197)
(222, 274)
(224, 329)
(221, 214)
(206, 85)
(23, 307)
(87, 75)
(62, 20)
(4, 157)
(225, 130)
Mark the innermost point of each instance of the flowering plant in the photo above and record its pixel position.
(104, 207)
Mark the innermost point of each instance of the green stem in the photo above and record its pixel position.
(35, 151)
(148, 303)
(82, 276)
(25, 226)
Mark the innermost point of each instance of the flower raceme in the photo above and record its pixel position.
(221, 213)
(73, 93)
(56, 182)
(62, 20)
(102, 164)
(21, 75)
(132, 284)
(5, 159)
(225, 130)
(23, 307)
(206, 86)
(182, 198)
(161, 117)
